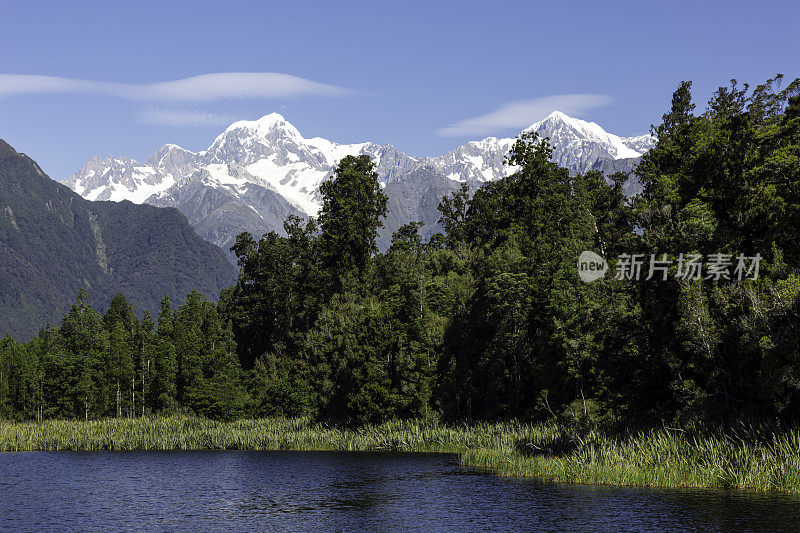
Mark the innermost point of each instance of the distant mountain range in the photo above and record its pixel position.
(256, 173)
(53, 243)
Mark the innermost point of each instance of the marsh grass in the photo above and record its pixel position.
(750, 458)
(188, 433)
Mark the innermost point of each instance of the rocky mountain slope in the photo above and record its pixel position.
(54, 243)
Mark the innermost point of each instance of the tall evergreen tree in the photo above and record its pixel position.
(86, 343)
(353, 205)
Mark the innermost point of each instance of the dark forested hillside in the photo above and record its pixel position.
(54, 243)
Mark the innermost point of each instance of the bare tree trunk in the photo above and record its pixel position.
(132, 412)
(119, 407)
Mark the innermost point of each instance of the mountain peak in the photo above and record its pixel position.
(567, 134)
(6, 150)
(262, 127)
(557, 118)
(170, 146)
(264, 123)
(558, 115)
(271, 118)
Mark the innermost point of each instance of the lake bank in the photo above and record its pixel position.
(755, 459)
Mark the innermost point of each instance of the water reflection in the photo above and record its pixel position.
(196, 491)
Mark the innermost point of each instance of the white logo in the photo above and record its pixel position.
(591, 266)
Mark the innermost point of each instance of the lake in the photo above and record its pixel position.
(334, 491)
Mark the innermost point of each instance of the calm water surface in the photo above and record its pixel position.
(299, 491)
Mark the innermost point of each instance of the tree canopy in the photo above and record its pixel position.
(489, 320)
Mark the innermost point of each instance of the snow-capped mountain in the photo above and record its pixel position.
(578, 146)
(268, 152)
(258, 172)
(579, 143)
(475, 161)
(117, 179)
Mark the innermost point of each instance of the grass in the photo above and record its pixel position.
(750, 458)
(189, 433)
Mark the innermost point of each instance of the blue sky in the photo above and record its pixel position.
(424, 76)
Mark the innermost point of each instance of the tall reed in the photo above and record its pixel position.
(752, 458)
(756, 458)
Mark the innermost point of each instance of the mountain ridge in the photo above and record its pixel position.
(269, 159)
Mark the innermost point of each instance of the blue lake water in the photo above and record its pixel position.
(334, 491)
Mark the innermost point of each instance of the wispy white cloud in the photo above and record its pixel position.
(520, 114)
(203, 88)
(182, 118)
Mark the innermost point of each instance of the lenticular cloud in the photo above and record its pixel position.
(202, 88)
(521, 113)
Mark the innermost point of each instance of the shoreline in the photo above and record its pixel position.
(753, 460)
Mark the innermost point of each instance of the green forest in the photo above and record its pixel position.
(488, 320)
